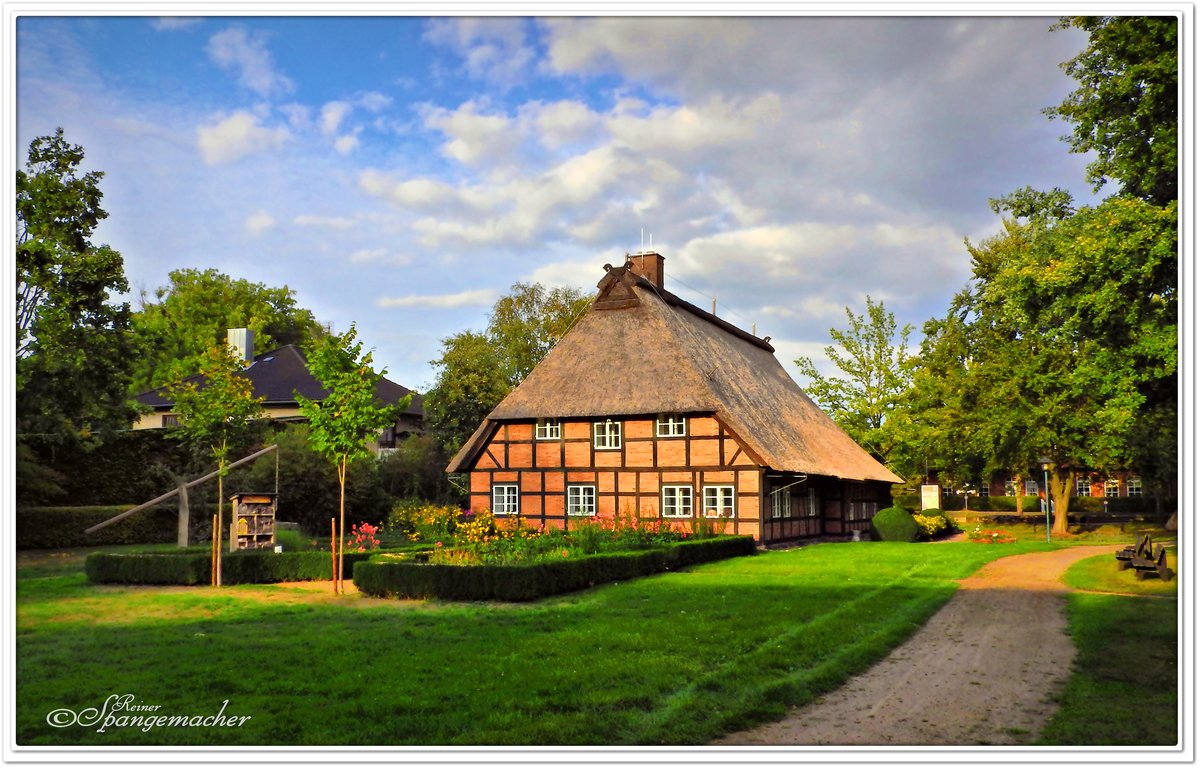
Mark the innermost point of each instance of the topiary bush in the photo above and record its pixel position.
(894, 524)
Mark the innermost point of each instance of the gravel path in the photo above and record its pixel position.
(984, 670)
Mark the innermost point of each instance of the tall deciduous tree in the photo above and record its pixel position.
(215, 408)
(867, 400)
(477, 370)
(1126, 106)
(182, 319)
(341, 423)
(73, 345)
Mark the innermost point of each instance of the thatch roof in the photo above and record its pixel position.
(640, 350)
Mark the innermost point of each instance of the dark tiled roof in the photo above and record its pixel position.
(277, 376)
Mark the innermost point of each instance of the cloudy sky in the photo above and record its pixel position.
(403, 173)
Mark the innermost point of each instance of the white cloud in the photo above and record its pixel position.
(172, 23)
(299, 116)
(236, 136)
(328, 222)
(480, 298)
(475, 138)
(379, 255)
(493, 49)
(259, 222)
(373, 101)
(331, 116)
(235, 49)
(346, 144)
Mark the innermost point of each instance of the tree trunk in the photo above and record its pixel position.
(1020, 482)
(1060, 492)
(342, 527)
(220, 517)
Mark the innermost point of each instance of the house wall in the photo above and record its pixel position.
(628, 480)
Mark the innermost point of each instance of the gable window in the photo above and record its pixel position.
(606, 435)
(670, 425)
(781, 502)
(548, 429)
(504, 500)
(1083, 486)
(677, 501)
(1133, 486)
(581, 500)
(1112, 487)
(718, 501)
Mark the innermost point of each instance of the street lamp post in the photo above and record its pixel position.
(1045, 462)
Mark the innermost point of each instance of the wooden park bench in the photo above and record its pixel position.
(1126, 554)
(1145, 558)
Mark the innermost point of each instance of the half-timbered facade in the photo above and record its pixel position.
(653, 407)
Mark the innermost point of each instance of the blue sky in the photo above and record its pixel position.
(402, 173)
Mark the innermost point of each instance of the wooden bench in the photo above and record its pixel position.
(1153, 562)
(1141, 550)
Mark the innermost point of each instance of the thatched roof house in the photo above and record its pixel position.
(645, 358)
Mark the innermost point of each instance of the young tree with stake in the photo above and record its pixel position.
(340, 424)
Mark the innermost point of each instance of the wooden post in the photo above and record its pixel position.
(333, 551)
(216, 548)
(184, 516)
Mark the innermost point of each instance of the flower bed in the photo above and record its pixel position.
(981, 536)
(402, 577)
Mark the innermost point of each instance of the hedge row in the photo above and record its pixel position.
(1124, 505)
(61, 527)
(191, 567)
(382, 578)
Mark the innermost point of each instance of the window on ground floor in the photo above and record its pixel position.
(718, 501)
(781, 502)
(581, 500)
(812, 507)
(1010, 487)
(677, 501)
(505, 500)
(1083, 486)
(1031, 488)
(1133, 486)
(1112, 487)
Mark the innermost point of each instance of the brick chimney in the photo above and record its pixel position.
(649, 265)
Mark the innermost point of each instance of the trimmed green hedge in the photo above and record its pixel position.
(894, 524)
(190, 567)
(62, 527)
(380, 577)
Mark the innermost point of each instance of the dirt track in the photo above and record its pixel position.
(984, 670)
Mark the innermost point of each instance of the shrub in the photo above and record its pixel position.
(392, 577)
(894, 524)
(420, 520)
(190, 567)
(61, 527)
(930, 525)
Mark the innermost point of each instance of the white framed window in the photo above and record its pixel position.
(677, 500)
(1112, 487)
(606, 435)
(781, 503)
(1133, 486)
(1083, 486)
(718, 501)
(811, 506)
(947, 491)
(548, 429)
(670, 425)
(581, 500)
(984, 491)
(505, 500)
(1031, 488)
(1010, 487)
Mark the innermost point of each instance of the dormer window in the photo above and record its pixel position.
(671, 425)
(548, 429)
(606, 435)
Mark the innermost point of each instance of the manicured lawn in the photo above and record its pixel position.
(673, 659)
(1100, 574)
(1124, 689)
